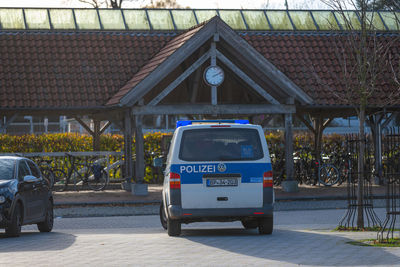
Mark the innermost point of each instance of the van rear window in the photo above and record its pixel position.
(227, 144)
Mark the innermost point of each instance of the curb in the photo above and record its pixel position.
(157, 202)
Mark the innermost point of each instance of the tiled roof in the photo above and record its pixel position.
(71, 70)
(313, 62)
(91, 69)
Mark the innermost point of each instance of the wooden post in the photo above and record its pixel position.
(290, 184)
(139, 188)
(139, 141)
(289, 147)
(128, 146)
(96, 135)
(318, 130)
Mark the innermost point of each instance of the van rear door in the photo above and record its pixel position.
(222, 167)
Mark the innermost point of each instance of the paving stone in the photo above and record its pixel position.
(300, 238)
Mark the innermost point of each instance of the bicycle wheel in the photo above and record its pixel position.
(328, 175)
(48, 175)
(60, 180)
(96, 182)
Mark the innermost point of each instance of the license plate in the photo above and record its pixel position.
(222, 182)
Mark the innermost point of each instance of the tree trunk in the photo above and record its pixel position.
(360, 191)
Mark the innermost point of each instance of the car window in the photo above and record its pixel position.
(34, 169)
(7, 168)
(23, 170)
(227, 144)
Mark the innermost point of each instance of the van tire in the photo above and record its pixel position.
(250, 224)
(173, 227)
(163, 217)
(266, 225)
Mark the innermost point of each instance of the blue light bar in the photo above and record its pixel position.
(186, 123)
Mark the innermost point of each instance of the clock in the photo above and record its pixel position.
(214, 75)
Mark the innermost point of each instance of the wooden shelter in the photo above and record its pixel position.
(120, 75)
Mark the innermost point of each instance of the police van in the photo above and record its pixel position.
(218, 171)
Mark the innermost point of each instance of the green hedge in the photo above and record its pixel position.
(152, 143)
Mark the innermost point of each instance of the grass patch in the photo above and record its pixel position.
(356, 229)
(392, 242)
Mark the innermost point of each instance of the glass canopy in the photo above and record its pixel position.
(182, 19)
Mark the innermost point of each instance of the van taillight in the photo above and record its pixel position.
(174, 180)
(267, 179)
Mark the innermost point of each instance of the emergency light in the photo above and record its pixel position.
(190, 122)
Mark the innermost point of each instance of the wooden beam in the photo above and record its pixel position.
(213, 109)
(305, 122)
(180, 79)
(246, 78)
(388, 120)
(105, 127)
(84, 125)
(326, 123)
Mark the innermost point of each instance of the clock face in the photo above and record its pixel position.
(214, 75)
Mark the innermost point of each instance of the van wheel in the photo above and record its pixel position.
(266, 225)
(47, 224)
(250, 224)
(14, 228)
(163, 217)
(173, 227)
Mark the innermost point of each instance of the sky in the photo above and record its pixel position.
(235, 4)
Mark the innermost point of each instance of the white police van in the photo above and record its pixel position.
(218, 171)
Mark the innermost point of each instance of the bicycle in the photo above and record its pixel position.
(310, 170)
(93, 175)
(50, 174)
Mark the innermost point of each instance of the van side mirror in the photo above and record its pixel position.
(158, 162)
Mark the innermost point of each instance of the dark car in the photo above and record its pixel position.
(25, 197)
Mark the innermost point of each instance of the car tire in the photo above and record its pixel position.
(173, 227)
(14, 228)
(47, 224)
(250, 224)
(266, 225)
(163, 217)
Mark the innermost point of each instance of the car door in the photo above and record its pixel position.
(26, 190)
(40, 190)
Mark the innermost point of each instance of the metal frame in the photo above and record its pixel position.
(51, 27)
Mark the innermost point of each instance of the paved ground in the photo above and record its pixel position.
(299, 238)
(120, 203)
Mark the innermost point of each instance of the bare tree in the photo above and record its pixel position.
(105, 3)
(365, 59)
(163, 4)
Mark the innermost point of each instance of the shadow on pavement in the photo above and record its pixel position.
(294, 247)
(35, 241)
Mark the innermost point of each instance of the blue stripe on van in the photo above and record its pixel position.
(193, 173)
